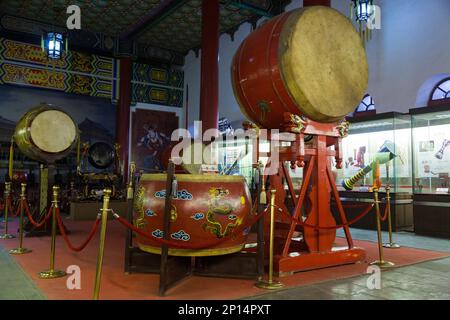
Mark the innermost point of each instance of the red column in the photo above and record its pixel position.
(123, 113)
(309, 3)
(209, 82)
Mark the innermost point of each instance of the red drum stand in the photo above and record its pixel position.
(305, 236)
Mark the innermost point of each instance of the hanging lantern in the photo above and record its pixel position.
(54, 44)
(361, 11)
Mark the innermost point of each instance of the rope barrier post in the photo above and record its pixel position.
(270, 284)
(21, 249)
(260, 224)
(7, 195)
(128, 232)
(101, 249)
(52, 273)
(381, 262)
(391, 244)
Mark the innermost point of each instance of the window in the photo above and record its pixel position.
(367, 104)
(441, 91)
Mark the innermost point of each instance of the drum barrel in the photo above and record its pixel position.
(308, 62)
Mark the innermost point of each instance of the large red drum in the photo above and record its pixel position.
(307, 62)
(209, 215)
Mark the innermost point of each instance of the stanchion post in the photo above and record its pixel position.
(270, 284)
(101, 249)
(21, 249)
(52, 273)
(381, 262)
(391, 244)
(7, 195)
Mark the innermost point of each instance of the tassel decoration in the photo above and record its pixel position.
(174, 188)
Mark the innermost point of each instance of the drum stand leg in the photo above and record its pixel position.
(172, 269)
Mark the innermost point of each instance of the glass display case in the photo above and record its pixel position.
(367, 137)
(431, 170)
(431, 149)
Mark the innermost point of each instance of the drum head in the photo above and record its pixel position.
(53, 131)
(323, 63)
(101, 155)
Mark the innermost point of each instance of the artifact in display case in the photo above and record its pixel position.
(368, 140)
(431, 170)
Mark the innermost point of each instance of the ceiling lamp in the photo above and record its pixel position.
(54, 44)
(362, 11)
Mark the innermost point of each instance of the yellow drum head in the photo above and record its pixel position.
(323, 63)
(53, 131)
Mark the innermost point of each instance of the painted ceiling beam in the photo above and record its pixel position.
(164, 9)
(249, 7)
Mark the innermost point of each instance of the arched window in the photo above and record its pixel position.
(440, 95)
(366, 107)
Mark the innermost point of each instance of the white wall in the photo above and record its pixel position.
(412, 46)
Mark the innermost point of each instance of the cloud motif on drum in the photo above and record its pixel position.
(180, 235)
(198, 216)
(158, 233)
(232, 217)
(150, 213)
(181, 195)
(246, 231)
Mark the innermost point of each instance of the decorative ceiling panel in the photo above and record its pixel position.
(109, 17)
(177, 29)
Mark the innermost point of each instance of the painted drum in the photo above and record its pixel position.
(309, 62)
(46, 133)
(209, 215)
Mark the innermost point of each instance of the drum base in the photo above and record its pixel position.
(193, 253)
(240, 265)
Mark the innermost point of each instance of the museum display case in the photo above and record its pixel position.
(431, 169)
(367, 136)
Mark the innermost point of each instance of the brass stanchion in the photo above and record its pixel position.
(21, 249)
(391, 244)
(381, 262)
(270, 284)
(101, 249)
(52, 273)
(7, 194)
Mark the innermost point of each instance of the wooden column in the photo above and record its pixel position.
(209, 82)
(123, 113)
(309, 3)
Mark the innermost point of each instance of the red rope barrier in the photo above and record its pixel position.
(66, 238)
(17, 211)
(359, 217)
(30, 217)
(384, 217)
(186, 246)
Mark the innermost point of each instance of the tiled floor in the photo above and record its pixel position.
(15, 284)
(429, 280)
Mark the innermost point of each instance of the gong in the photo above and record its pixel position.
(101, 155)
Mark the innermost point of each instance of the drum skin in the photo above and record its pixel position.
(308, 62)
(209, 213)
(46, 133)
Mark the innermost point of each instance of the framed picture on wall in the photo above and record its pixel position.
(151, 133)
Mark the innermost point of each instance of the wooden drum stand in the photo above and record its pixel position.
(311, 216)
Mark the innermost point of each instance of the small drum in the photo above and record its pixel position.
(101, 155)
(211, 213)
(46, 133)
